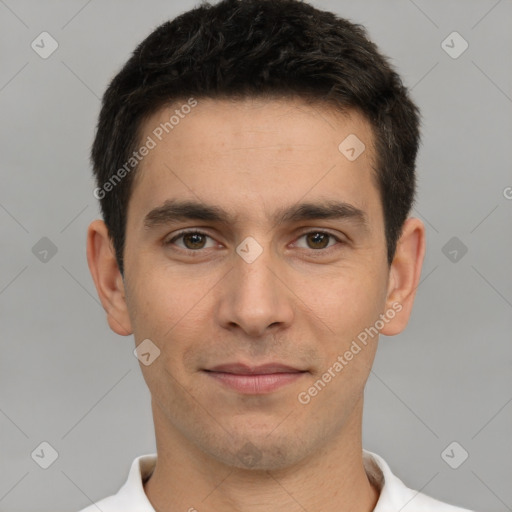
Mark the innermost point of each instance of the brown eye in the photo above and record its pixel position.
(317, 240)
(192, 240)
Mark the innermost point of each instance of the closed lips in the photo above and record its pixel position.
(243, 369)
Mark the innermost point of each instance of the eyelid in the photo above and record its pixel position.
(169, 241)
(339, 240)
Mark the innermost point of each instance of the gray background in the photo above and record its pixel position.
(68, 380)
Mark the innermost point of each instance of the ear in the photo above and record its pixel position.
(107, 277)
(404, 275)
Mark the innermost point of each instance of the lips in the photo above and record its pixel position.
(264, 369)
(254, 380)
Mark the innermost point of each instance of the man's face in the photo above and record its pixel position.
(252, 291)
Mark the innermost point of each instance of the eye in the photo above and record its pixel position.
(317, 240)
(193, 240)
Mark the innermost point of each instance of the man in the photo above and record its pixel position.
(255, 166)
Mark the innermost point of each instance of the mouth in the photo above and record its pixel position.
(254, 380)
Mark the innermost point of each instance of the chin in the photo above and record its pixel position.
(260, 452)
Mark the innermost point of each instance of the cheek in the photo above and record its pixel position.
(174, 313)
(346, 301)
(351, 307)
(159, 303)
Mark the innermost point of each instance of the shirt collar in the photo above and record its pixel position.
(132, 497)
(393, 493)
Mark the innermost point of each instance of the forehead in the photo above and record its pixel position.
(255, 153)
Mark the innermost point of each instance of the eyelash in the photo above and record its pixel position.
(196, 232)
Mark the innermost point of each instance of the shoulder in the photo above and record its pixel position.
(131, 496)
(422, 503)
(110, 504)
(395, 495)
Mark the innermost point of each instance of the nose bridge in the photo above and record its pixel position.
(255, 298)
(254, 277)
(255, 284)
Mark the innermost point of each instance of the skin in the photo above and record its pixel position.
(299, 303)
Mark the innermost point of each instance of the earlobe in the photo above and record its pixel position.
(107, 278)
(404, 275)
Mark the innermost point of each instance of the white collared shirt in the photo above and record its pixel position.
(394, 495)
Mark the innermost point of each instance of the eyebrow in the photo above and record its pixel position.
(174, 210)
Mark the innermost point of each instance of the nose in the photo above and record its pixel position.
(255, 297)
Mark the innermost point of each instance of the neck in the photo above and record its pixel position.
(332, 479)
